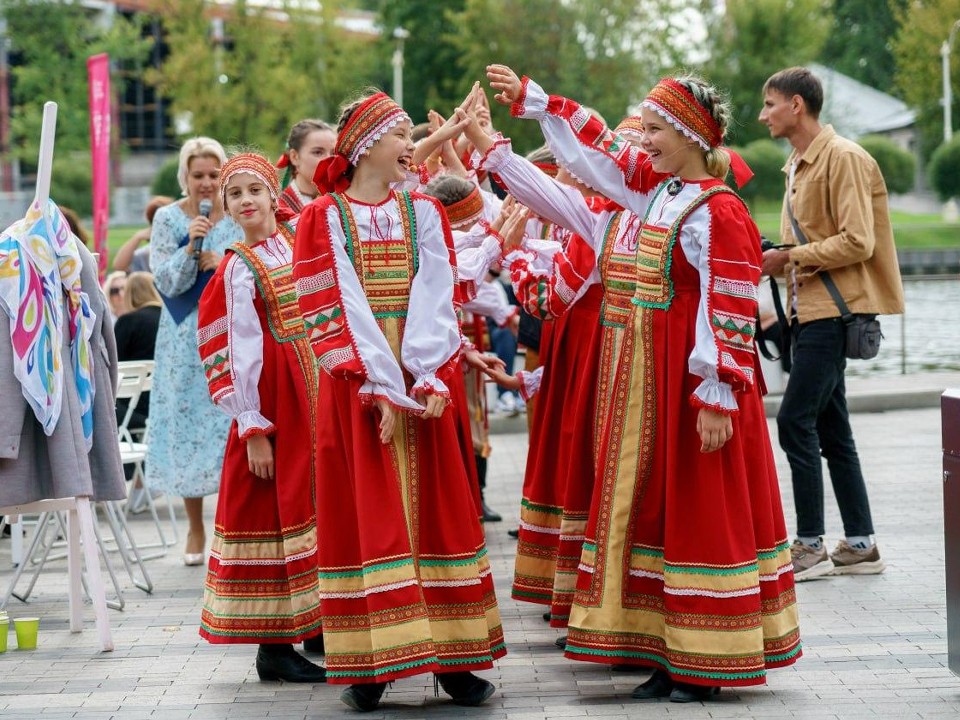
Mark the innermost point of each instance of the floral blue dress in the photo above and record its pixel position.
(187, 431)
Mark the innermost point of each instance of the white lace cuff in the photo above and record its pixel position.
(715, 395)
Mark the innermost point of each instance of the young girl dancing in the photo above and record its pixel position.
(685, 566)
(405, 580)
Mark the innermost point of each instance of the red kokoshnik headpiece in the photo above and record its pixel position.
(631, 125)
(368, 123)
(465, 213)
(259, 167)
(677, 105)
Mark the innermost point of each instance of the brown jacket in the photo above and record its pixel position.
(839, 199)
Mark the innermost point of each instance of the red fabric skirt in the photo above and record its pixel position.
(558, 483)
(461, 415)
(261, 584)
(405, 580)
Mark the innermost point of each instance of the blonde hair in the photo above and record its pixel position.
(140, 291)
(194, 148)
(111, 279)
(712, 100)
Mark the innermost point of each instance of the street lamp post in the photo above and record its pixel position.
(950, 212)
(399, 34)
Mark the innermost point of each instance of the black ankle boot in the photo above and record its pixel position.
(465, 688)
(657, 686)
(363, 697)
(561, 642)
(687, 693)
(282, 662)
(490, 515)
(314, 645)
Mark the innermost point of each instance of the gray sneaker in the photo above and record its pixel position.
(809, 563)
(849, 560)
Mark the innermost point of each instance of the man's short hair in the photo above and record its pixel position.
(798, 81)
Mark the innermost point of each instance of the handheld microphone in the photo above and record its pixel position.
(206, 206)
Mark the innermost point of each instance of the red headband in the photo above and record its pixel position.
(466, 212)
(677, 105)
(259, 167)
(367, 124)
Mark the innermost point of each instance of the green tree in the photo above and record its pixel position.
(944, 169)
(753, 39)
(765, 158)
(53, 39)
(267, 71)
(432, 66)
(860, 41)
(598, 52)
(923, 28)
(897, 166)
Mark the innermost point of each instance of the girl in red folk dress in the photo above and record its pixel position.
(309, 142)
(405, 582)
(261, 582)
(685, 566)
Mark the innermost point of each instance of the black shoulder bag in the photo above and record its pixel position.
(863, 331)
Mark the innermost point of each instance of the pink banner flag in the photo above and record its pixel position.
(98, 74)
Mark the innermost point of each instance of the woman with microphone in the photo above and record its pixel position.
(188, 240)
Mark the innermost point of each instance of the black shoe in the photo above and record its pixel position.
(490, 515)
(657, 686)
(314, 645)
(465, 688)
(282, 662)
(363, 697)
(686, 693)
(514, 533)
(621, 667)
(561, 642)
(546, 616)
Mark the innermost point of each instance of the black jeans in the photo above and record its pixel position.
(813, 420)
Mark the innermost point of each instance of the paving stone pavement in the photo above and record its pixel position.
(874, 647)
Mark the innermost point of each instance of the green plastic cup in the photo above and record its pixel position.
(4, 632)
(26, 632)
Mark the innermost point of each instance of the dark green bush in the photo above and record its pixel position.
(944, 169)
(765, 158)
(165, 181)
(897, 165)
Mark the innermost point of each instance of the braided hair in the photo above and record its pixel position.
(718, 162)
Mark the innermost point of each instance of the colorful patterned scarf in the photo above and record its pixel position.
(39, 266)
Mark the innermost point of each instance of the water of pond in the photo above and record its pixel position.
(924, 338)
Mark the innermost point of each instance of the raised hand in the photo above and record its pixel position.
(506, 82)
(513, 228)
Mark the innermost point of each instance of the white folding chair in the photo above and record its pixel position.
(136, 378)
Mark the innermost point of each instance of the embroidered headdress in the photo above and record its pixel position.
(368, 123)
(678, 106)
(631, 126)
(260, 168)
(465, 213)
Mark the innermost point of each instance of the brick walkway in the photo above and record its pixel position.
(875, 647)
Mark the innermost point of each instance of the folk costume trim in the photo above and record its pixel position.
(386, 286)
(372, 119)
(655, 253)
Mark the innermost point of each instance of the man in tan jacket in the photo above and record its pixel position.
(839, 201)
